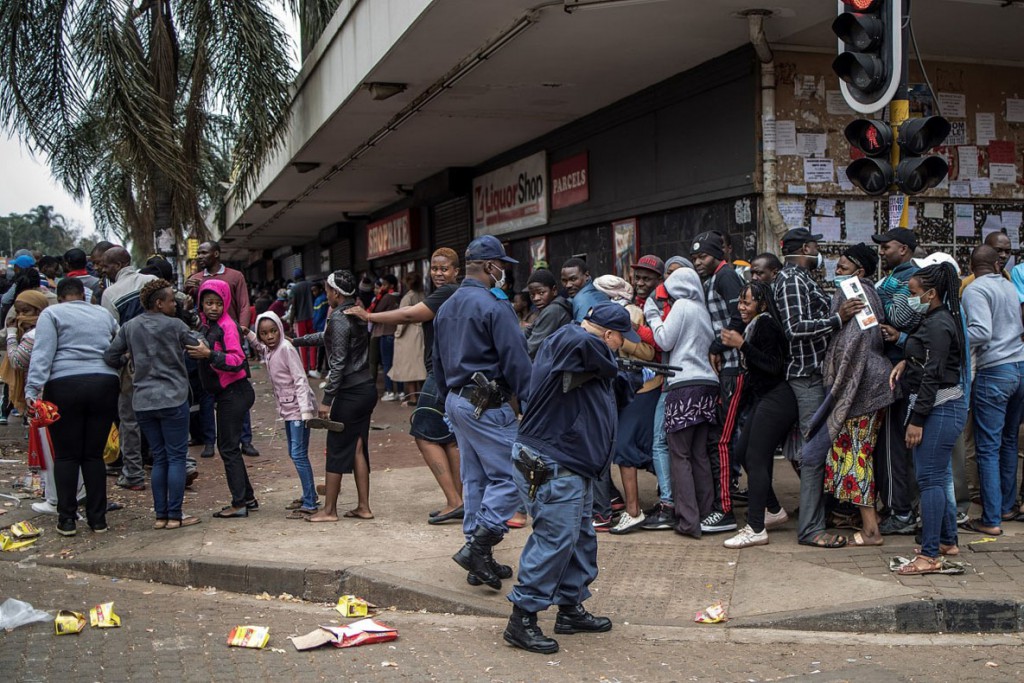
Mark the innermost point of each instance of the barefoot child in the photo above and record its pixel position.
(296, 402)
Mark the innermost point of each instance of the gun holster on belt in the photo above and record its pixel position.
(534, 470)
(485, 395)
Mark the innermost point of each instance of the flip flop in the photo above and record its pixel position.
(973, 525)
(352, 514)
(188, 520)
(329, 425)
(457, 513)
(826, 540)
(931, 567)
(858, 540)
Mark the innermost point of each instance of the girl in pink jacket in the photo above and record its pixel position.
(296, 402)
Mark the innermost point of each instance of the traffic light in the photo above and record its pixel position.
(870, 51)
(917, 173)
(872, 173)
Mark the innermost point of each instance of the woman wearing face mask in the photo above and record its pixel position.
(856, 379)
(932, 376)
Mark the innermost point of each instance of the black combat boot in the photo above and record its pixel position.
(523, 632)
(576, 619)
(475, 556)
(502, 571)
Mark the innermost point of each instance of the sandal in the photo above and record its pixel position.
(976, 526)
(301, 513)
(294, 505)
(826, 540)
(160, 524)
(188, 520)
(353, 514)
(944, 550)
(915, 566)
(858, 540)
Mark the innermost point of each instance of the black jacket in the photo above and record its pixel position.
(764, 356)
(346, 340)
(933, 361)
(551, 318)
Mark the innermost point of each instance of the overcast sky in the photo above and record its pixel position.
(25, 181)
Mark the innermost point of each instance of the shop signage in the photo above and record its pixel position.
(569, 182)
(390, 235)
(512, 197)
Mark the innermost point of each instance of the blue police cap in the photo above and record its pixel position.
(487, 248)
(612, 316)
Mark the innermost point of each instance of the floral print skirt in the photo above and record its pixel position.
(849, 466)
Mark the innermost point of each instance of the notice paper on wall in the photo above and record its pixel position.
(785, 138)
(836, 104)
(860, 221)
(792, 211)
(825, 207)
(1003, 174)
(967, 162)
(959, 188)
(963, 220)
(811, 144)
(1011, 224)
(953, 104)
(981, 187)
(826, 226)
(993, 223)
(1014, 110)
(985, 127)
(844, 180)
(819, 171)
(933, 210)
(957, 134)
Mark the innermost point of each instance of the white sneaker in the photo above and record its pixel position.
(627, 523)
(774, 520)
(314, 374)
(747, 538)
(388, 396)
(44, 507)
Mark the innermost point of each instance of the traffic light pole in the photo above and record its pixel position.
(899, 107)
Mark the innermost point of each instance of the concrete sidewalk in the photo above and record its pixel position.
(651, 578)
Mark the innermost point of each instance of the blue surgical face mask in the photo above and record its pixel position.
(919, 306)
(840, 279)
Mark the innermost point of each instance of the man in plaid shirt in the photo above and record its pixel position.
(804, 313)
(722, 287)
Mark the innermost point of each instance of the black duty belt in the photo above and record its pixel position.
(469, 391)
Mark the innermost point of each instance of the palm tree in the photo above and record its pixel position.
(147, 105)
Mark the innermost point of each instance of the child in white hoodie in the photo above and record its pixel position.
(296, 402)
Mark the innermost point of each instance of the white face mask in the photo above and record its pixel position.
(499, 283)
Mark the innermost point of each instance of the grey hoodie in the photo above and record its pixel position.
(685, 335)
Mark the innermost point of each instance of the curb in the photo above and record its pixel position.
(310, 584)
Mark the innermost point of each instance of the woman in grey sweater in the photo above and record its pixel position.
(154, 343)
(67, 369)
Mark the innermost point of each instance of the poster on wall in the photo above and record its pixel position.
(538, 252)
(625, 233)
(512, 197)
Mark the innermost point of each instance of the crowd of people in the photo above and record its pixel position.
(895, 392)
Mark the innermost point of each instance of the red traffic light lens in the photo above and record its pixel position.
(874, 138)
(862, 5)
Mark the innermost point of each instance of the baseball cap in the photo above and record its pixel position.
(798, 237)
(901, 235)
(613, 317)
(24, 261)
(935, 259)
(487, 248)
(709, 243)
(652, 263)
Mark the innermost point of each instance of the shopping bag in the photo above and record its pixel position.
(113, 448)
(40, 447)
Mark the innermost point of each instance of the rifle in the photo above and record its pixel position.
(573, 380)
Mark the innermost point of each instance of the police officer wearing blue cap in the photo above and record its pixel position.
(480, 362)
(565, 442)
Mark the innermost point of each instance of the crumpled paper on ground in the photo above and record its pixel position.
(715, 614)
(948, 566)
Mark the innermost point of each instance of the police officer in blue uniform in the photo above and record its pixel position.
(565, 441)
(480, 362)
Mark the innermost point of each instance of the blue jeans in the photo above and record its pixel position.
(933, 463)
(166, 430)
(998, 404)
(298, 448)
(387, 359)
(659, 453)
(207, 420)
(489, 492)
(559, 560)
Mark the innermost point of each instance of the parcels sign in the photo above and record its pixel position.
(390, 235)
(569, 182)
(512, 197)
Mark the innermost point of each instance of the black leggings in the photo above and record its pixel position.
(233, 404)
(771, 418)
(87, 406)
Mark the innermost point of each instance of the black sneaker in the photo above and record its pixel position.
(718, 522)
(66, 528)
(660, 518)
(739, 496)
(898, 525)
(207, 451)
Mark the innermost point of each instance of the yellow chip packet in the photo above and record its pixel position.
(351, 606)
(9, 542)
(255, 637)
(68, 622)
(25, 530)
(102, 616)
